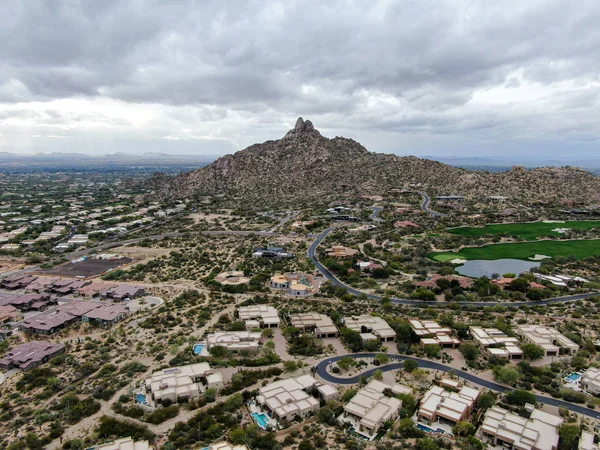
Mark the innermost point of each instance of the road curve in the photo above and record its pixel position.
(405, 301)
(321, 370)
(425, 205)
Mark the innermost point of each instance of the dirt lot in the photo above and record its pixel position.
(86, 268)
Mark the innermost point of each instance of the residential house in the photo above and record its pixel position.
(30, 355)
(449, 407)
(549, 339)
(184, 382)
(590, 381)
(259, 316)
(432, 333)
(291, 398)
(503, 428)
(373, 325)
(496, 343)
(319, 324)
(370, 407)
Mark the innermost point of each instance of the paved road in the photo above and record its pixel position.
(427, 364)
(405, 301)
(376, 211)
(425, 205)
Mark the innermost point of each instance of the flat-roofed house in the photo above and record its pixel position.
(181, 382)
(235, 341)
(295, 284)
(319, 324)
(503, 428)
(290, 398)
(452, 407)
(123, 444)
(590, 381)
(371, 325)
(370, 408)
(30, 355)
(432, 333)
(496, 343)
(587, 441)
(227, 446)
(259, 316)
(552, 341)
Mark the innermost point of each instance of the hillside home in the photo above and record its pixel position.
(319, 324)
(235, 341)
(370, 408)
(549, 339)
(496, 343)
(123, 444)
(292, 398)
(259, 316)
(184, 382)
(432, 333)
(449, 407)
(373, 325)
(30, 355)
(590, 381)
(502, 428)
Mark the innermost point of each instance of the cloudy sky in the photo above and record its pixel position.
(482, 78)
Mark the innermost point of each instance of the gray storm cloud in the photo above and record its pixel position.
(420, 77)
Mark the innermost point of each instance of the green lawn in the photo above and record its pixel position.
(527, 231)
(524, 250)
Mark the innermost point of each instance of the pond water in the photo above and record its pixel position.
(481, 267)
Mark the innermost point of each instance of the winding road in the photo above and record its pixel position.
(410, 302)
(425, 205)
(321, 370)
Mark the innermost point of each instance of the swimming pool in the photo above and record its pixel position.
(198, 349)
(141, 398)
(574, 377)
(261, 419)
(427, 429)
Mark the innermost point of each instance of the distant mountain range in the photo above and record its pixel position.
(304, 165)
(56, 161)
(530, 163)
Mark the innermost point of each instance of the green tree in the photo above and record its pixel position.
(378, 375)
(506, 374)
(410, 365)
(238, 436)
(382, 358)
(486, 400)
(569, 435)
(305, 445)
(532, 351)
(463, 428)
(326, 416)
(432, 350)
(469, 351)
(520, 397)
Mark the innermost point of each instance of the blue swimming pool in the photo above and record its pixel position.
(574, 377)
(141, 398)
(427, 429)
(261, 419)
(198, 349)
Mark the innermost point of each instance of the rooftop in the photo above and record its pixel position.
(539, 432)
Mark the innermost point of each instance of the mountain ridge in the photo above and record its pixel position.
(306, 165)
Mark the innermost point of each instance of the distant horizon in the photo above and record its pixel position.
(592, 163)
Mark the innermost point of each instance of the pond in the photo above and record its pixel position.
(480, 267)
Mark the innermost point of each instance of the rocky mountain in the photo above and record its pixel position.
(304, 165)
